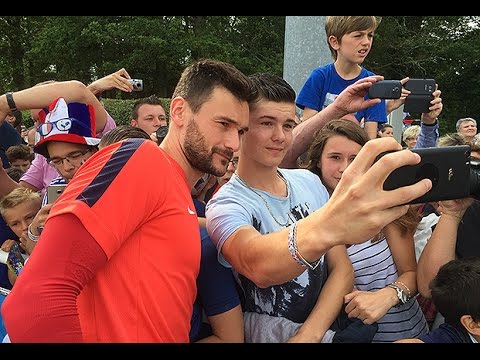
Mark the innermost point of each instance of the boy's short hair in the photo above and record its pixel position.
(18, 196)
(338, 26)
(456, 290)
(20, 151)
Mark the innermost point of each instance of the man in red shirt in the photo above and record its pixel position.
(119, 255)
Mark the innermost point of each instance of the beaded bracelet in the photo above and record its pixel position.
(292, 247)
(405, 286)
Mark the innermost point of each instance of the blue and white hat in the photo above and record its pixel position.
(72, 123)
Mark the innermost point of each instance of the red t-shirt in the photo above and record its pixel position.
(134, 201)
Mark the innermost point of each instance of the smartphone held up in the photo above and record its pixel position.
(452, 172)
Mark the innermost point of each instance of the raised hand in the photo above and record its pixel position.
(117, 80)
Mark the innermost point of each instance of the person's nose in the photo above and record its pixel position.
(343, 166)
(279, 134)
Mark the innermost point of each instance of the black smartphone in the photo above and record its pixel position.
(417, 103)
(385, 89)
(447, 167)
(420, 86)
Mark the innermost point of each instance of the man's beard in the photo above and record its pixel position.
(197, 153)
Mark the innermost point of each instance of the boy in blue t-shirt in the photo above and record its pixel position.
(350, 39)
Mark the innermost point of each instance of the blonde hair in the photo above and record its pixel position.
(18, 196)
(451, 139)
(338, 26)
(411, 132)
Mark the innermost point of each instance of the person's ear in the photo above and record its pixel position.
(333, 41)
(134, 123)
(178, 110)
(472, 326)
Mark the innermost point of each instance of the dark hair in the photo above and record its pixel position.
(270, 87)
(151, 100)
(17, 124)
(120, 133)
(385, 126)
(200, 79)
(456, 290)
(20, 151)
(339, 127)
(15, 173)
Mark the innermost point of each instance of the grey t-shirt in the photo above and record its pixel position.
(235, 206)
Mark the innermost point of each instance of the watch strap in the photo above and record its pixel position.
(10, 101)
(401, 294)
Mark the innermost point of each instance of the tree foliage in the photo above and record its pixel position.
(157, 48)
(445, 48)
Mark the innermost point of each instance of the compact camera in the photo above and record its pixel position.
(137, 84)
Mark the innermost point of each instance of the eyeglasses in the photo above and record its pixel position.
(73, 158)
(61, 125)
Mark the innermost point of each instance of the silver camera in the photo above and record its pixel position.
(137, 84)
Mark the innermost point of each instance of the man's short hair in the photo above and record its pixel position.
(199, 80)
(462, 120)
(151, 100)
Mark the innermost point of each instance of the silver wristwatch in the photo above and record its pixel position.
(401, 294)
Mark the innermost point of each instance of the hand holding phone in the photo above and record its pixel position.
(421, 91)
(447, 167)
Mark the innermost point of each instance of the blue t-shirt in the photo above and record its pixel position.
(8, 137)
(5, 234)
(216, 289)
(324, 85)
(446, 333)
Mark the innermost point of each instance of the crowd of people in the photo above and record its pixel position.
(241, 221)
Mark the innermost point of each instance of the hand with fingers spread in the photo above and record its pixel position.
(352, 99)
(360, 196)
